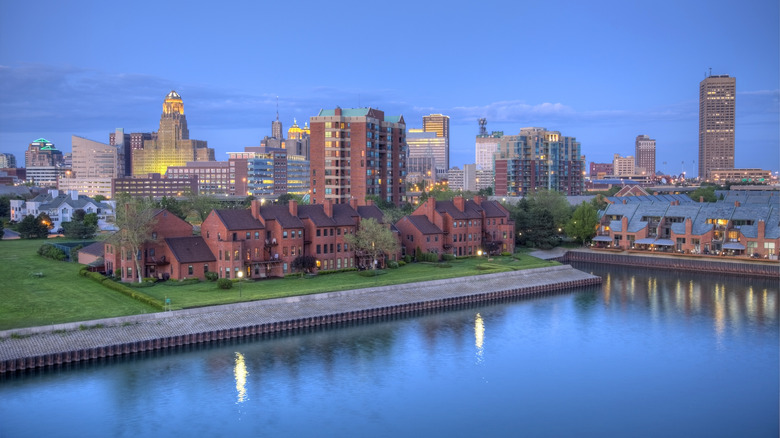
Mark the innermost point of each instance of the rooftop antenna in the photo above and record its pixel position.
(277, 108)
(710, 71)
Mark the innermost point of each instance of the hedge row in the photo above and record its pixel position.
(121, 288)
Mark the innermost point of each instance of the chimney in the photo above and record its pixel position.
(255, 208)
(624, 200)
(460, 203)
(478, 200)
(736, 204)
(337, 111)
(701, 198)
(74, 195)
(293, 204)
(353, 202)
(328, 207)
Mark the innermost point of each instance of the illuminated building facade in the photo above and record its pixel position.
(127, 143)
(425, 155)
(297, 142)
(215, 178)
(716, 124)
(42, 153)
(173, 146)
(357, 152)
(440, 124)
(7, 161)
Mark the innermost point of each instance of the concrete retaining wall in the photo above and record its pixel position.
(559, 279)
(753, 269)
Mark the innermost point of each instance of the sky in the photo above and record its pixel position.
(603, 71)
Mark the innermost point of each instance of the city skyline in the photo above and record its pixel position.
(86, 77)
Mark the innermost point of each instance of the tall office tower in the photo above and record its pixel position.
(425, 153)
(297, 142)
(716, 124)
(92, 159)
(95, 164)
(357, 152)
(645, 154)
(128, 143)
(173, 146)
(440, 124)
(538, 159)
(276, 128)
(42, 153)
(7, 161)
(486, 146)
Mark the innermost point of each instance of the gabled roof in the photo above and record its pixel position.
(423, 224)
(190, 249)
(96, 249)
(238, 219)
(281, 214)
(471, 210)
(344, 215)
(316, 213)
(493, 209)
(371, 212)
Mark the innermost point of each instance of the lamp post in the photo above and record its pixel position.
(240, 276)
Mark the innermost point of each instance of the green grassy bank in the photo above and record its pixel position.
(61, 295)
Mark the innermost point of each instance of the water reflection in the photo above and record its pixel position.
(479, 335)
(240, 373)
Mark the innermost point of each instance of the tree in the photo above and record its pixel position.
(99, 198)
(91, 220)
(34, 228)
(78, 230)
(706, 192)
(135, 218)
(373, 239)
(201, 206)
(599, 202)
(553, 202)
(487, 191)
(583, 222)
(174, 206)
(304, 263)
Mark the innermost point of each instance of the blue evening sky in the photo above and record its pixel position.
(602, 71)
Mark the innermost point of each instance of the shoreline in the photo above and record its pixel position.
(51, 346)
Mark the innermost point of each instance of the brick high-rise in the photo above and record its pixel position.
(357, 152)
(716, 124)
(644, 155)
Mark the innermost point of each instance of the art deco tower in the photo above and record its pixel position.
(173, 146)
(716, 124)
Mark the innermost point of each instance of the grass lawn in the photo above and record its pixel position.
(61, 295)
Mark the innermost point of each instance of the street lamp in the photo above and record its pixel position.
(240, 276)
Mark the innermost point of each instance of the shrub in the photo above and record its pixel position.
(506, 253)
(74, 253)
(408, 258)
(371, 272)
(211, 276)
(392, 265)
(51, 252)
(224, 283)
(448, 257)
(401, 263)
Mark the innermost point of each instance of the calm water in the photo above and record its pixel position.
(649, 353)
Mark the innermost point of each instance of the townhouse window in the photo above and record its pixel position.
(300, 234)
(189, 270)
(331, 247)
(154, 235)
(292, 250)
(338, 247)
(319, 250)
(248, 235)
(257, 235)
(284, 251)
(205, 268)
(220, 254)
(318, 232)
(151, 252)
(235, 255)
(284, 234)
(427, 238)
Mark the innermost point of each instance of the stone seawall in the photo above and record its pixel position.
(680, 263)
(52, 346)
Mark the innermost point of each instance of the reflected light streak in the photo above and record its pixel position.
(240, 372)
(720, 312)
(479, 335)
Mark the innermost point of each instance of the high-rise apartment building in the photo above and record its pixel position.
(440, 124)
(173, 146)
(42, 153)
(357, 152)
(644, 154)
(7, 161)
(716, 124)
(537, 159)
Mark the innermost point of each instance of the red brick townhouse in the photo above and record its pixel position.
(240, 242)
(163, 256)
(285, 234)
(458, 227)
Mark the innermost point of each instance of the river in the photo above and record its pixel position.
(648, 353)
